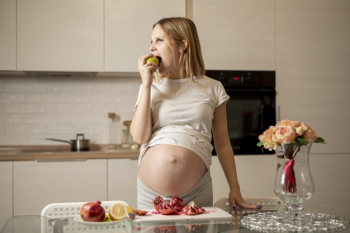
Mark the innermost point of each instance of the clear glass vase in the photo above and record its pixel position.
(293, 181)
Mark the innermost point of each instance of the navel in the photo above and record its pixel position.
(173, 160)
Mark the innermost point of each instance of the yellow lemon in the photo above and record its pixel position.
(129, 209)
(153, 59)
(117, 211)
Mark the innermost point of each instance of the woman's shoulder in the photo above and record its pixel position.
(210, 81)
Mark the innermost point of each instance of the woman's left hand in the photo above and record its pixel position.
(237, 199)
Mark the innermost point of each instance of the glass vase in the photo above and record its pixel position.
(293, 181)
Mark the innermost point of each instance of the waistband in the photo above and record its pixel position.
(201, 193)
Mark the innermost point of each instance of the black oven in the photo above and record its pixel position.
(251, 108)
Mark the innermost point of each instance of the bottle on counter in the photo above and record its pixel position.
(127, 138)
(115, 137)
(128, 141)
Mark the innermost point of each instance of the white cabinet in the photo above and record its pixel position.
(313, 60)
(60, 35)
(236, 35)
(128, 27)
(37, 184)
(79, 35)
(5, 192)
(122, 180)
(8, 35)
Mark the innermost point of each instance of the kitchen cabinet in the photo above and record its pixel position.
(236, 35)
(37, 184)
(122, 180)
(60, 35)
(8, 35)
(312, 47)
(128, 27)
(5, 192)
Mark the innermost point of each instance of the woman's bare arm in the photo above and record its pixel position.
(226, 157)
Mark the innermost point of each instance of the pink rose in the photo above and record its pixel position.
(270, 145)
(310, 134)
(262, 137)
(301, 130)
(284, 134)
(272, 129)
(266, 138)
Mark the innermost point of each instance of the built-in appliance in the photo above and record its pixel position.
(251, 108)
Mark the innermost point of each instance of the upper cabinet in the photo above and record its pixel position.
(128, 28)
(84, 35)
(236, 34)
(60, 35)
(8, 35)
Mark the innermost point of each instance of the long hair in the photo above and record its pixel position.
(191, 62)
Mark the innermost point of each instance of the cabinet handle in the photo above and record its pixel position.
(59, 160)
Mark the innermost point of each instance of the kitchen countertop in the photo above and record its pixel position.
(58, 152)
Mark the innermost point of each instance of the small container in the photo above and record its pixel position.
(127, 138)
(114, 129)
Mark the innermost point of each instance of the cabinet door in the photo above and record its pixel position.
(313, 68)
(122, 180)
(8, 35)
(236, 35)
(5, 192)
(37, 184)
(128, 28)
(60, 35)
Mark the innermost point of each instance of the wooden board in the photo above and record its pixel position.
(211, 214)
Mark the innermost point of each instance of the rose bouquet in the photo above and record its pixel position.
(290, 136)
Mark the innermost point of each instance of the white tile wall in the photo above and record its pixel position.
(33, 108)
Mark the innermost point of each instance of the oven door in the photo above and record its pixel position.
(249, 113)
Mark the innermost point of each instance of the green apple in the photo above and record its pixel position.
(153, 59)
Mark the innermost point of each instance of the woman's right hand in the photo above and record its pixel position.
(146, 69)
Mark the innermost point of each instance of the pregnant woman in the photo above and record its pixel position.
(176, 112)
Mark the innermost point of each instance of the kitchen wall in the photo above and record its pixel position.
(33, 108)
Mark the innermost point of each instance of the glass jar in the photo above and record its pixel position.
(114, 130)
(127, 138)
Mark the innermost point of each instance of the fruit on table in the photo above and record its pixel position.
(129, 209)
(92, 212)
(176, 206)
(177, 203)
(139, 212)
(153, 59)
(107, 218)
(117, 211)
(163, 206)
(192, 209)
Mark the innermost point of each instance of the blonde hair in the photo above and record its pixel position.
(191, 62)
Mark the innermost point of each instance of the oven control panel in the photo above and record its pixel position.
(248, 79)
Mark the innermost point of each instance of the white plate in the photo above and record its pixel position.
(77, 218)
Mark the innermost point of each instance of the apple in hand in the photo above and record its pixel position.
(153, 59)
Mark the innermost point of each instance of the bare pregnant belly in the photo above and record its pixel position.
(170, 170)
